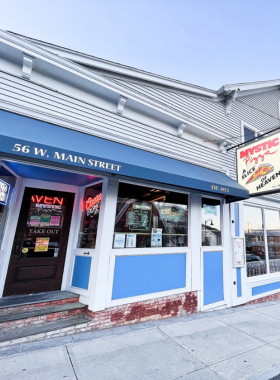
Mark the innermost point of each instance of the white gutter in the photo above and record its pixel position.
(103, 64)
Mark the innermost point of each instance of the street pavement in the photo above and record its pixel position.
(234, 344)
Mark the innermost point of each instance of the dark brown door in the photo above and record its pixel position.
(40, 243)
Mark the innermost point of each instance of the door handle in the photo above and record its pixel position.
(234, 282)
(86, 253)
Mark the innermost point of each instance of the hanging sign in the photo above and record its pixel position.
(4, 192)
(258, 166)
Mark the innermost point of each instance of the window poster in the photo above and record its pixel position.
(119, 240)
(130, 240)
(35, 220)
(140, 217)
(156, 240)
(55, 220)
(42, 244)
(45, 220)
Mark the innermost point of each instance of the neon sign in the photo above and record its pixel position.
(4, 192)
(42, 199)
(92, 204)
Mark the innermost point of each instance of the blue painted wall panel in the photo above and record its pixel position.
(213, 277)
(265, 288)
(138, 275)
(238, 282)
(236, 219)
(81, 272)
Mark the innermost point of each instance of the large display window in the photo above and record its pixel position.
(211, 233)
(7, 184)
(255, 244)
(262, 237)
(90, 216)
(150, 217)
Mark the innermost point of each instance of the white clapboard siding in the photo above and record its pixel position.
(209, 112)
(106, 124)
(264, 101)
(77, 114)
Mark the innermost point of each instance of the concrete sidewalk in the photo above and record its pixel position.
(238, 343)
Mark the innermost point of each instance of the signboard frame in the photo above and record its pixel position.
(253, 144)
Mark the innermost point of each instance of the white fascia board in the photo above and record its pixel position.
(250, 86)
(77, 70)
(118, 68)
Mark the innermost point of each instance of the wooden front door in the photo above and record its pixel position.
(40, 243)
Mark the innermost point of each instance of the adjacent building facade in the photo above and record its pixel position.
(116, 184)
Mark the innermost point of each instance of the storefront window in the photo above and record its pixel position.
(149, 217)
(91, 208)
(254, 238)
(211, 222)
(7, 183)
(272, 223)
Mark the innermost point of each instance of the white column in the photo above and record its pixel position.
(195, 240)
(101, 259)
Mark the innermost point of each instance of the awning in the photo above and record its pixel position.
(37, 141)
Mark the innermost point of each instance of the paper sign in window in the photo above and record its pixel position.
(45, 220)
(55, 220)
(42, 244)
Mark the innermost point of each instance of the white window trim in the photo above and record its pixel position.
(249, 126)
(269, 276)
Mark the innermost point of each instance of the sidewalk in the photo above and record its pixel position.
(238, 343)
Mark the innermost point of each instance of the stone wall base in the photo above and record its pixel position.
(159, 308)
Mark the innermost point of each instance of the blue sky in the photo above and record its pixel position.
(204, 42)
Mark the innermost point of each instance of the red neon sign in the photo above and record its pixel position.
(46, 200)
(93, 201)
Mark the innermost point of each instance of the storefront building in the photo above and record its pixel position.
(116, 185)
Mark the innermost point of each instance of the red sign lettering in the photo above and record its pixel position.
(259, 147)
(92, 201)
(42, 199)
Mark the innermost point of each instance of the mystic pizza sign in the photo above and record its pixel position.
(258, 165)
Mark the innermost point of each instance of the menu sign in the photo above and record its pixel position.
(4, 192)
(258, 166)
(140, 217)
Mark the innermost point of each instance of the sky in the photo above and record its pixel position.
(204, 42)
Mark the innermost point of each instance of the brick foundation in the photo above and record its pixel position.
(271, 297)
(159, 308)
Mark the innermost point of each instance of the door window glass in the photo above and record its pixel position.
(254, 238)
(272, 223)
(211, 222)
(91, 208)
(44, 224)
(150, 217)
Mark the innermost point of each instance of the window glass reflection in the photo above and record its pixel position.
(254, 238)
(7, 183)
(149, 217)
(272, 222)
(211, 222)
(91, 208)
